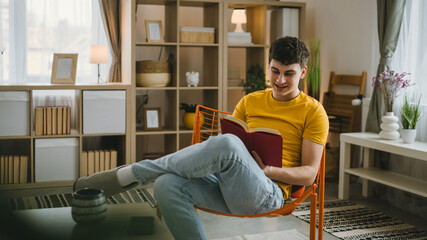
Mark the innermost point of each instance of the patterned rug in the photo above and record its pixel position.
(64, 200)
(347, 220)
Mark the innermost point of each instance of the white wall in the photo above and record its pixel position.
(348, 37)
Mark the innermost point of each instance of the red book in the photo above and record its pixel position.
(266, 142)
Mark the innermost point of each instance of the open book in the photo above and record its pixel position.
(266, 142)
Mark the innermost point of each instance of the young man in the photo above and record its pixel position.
(220, 174)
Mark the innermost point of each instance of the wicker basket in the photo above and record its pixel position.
(150, 66)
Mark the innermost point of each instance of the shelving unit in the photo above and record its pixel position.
(26, 144)
(206, 58)
(370, 142)
(211, 60)
(258, 24)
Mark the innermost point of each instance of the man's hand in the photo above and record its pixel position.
(261, 164)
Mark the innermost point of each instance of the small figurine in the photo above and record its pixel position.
(192, 78)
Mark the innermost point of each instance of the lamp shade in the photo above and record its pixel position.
(98, 54)
(238, 16)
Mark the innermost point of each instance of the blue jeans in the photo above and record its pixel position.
(218, 174)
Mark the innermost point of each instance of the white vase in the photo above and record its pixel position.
(408, 135)
(389, 126)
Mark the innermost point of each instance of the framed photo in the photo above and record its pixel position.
(154, 31)
(64, 68)
(152, 119)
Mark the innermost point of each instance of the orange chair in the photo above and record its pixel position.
(207, 124)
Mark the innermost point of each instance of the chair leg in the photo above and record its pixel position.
(313, 208)
(321, 208)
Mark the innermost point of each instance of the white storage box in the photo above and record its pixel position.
(104, 112)
(14, 113)
(56, 159)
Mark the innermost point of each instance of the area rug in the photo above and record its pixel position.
(278, 235)
(64, 200)
(349, 221)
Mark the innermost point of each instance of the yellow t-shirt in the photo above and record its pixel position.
(301, 117)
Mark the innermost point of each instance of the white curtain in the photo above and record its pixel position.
(48, 27)
(411, 56)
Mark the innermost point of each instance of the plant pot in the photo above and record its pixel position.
(389, 127)
(408, 135)
(189, 120)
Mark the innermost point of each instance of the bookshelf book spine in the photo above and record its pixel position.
(101, 160)
(91, 162)
(83, 164)
(39, 120)
(16, 163)
(49, 120)
(10, 174)
(68, 120)
(64, 120)
(107, 159)
(23, 169)
(6, 169)
(54, 120)
(59, 112)
(113, 159)
(96, 161)
(2, 170)
(44, 120)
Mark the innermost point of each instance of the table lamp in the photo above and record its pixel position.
(238, 17)
(98, 55)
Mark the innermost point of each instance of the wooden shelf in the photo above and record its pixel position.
(155, 44)
(391, 179)
(370, 142)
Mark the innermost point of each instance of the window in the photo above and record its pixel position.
(411, 50)
(28, 41)
(411, 56)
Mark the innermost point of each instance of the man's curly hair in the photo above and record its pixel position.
(289, 50)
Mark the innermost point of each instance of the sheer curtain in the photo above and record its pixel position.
(48, 27)
(411, 56)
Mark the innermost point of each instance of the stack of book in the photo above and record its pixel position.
(53, 120)
(97, 161)
(241, 38)
(13, 169)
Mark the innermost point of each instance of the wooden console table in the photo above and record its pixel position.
(370, 142)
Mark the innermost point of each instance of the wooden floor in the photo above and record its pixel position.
(219, 227)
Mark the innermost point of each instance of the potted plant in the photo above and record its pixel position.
(189, 115)
(390, 84)
(255, 79)
(410, 115)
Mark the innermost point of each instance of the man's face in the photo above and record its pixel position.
(284, 79)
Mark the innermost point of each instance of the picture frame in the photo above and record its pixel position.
(154, 30)
(152, 118)
(64, 68)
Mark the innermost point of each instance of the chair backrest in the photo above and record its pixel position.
(207, 123)
(352, 80)
(339, 105)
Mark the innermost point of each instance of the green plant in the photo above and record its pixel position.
(313, 71)
(255, 79)
(410, 112)
(390, 84)
(188, 108)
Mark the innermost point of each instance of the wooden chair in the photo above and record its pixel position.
(207, 124)
(343, 116)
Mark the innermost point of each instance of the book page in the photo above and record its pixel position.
(239, 122)
(267, 130)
